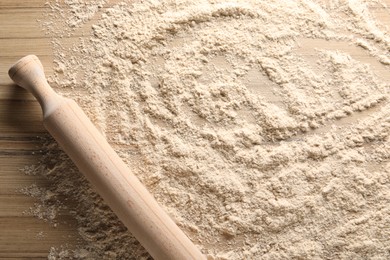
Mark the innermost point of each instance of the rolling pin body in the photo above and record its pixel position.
(110, 176)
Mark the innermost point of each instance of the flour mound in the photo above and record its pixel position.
(256, 143)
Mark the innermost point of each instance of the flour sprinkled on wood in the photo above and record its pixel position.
(256, 143)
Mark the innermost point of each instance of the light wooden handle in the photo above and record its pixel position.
(110, 176)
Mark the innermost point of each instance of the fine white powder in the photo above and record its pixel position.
(257, 144)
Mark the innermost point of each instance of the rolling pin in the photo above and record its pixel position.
(100, 164)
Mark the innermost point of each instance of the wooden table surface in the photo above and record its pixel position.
(23, 236)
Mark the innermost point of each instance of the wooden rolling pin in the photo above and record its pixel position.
(110, 176)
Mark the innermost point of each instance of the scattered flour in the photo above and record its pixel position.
(47, 207)
(256, 149)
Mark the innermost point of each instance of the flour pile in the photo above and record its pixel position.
(260, 139)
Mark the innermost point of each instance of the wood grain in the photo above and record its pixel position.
(22, 235)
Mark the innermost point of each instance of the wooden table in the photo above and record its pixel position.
(22, 235)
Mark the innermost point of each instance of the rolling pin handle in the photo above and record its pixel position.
(28, 73)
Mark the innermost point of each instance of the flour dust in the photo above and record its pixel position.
(261, 127)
